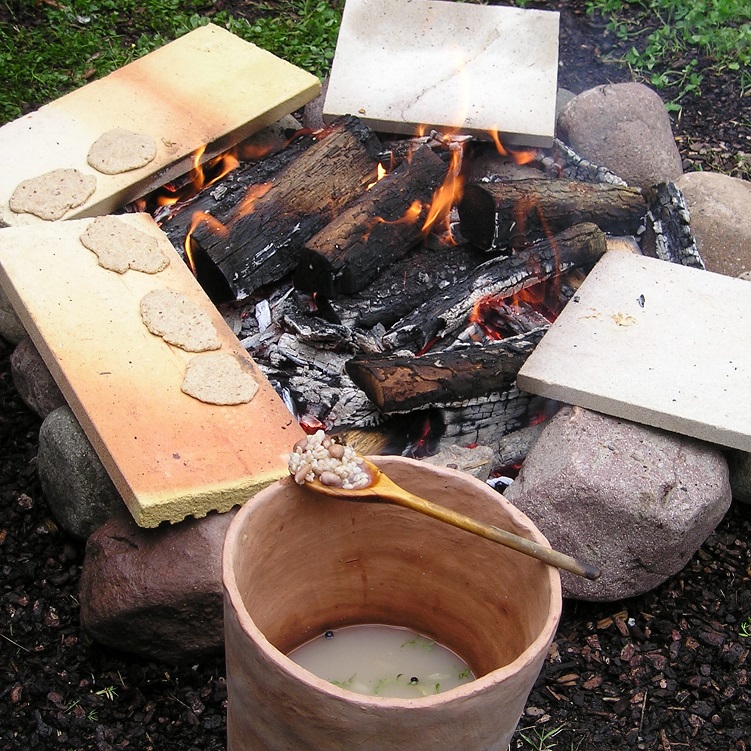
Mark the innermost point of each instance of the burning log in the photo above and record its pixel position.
(401, 383)
(406, 284)
(377, 229)
(449, 311)
(514, 214)
(263, 240)
(221, 198)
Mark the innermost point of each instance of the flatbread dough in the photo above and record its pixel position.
(179, 321)
(50, 196)
(219, 378)
(120, 247)
(121, 150)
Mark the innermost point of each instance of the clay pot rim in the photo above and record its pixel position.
(459, 693)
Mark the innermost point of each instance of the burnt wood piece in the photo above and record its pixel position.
(265, 234)
(380, 227)
(222, 197)
(513, 214)
(449, 311)
(406, 284)
(401, 383)
(668, 236)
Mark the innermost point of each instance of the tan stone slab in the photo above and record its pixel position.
(408, 66)
(169, 454)
(656, 343)
(207, 88)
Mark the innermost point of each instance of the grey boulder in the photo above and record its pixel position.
(634, 500)
(79, 491)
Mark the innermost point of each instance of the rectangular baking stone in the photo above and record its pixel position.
(208, 88)
(655, 343)
(169, 455)
(410, 66)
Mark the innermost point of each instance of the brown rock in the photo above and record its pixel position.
(720, 208)
(626, 128)
(33, 380)
(156, 592)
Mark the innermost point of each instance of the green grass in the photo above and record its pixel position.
(541, 739)
(76, 41)
(716, 30)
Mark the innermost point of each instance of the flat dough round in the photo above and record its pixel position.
(219, 378)
(179, 321)
(121, 150)
(120, 247)
(50, 196)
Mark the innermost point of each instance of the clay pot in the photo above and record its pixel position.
(296, 564)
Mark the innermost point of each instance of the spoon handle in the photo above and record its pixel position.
(510, 540)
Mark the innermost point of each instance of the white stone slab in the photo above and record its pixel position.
(655, 343)
(404, 65)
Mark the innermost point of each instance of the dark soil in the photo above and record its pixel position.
(668, 670)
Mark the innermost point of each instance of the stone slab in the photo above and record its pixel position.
(209, 88)
(404, 66)
(655, 343)
(169, 455)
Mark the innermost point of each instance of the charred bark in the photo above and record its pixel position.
(406, 284)
(513, 214)
(264, 236)
(668, 236)
(402, 383)
(374, 231)
(449, 311)
(220, 200)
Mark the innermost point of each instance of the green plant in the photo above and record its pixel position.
(109, 691)
(745, 628)
(305, 35)
(539, 738)
(719, 31)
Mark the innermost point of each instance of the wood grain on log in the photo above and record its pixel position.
(264, 237)
(516, 213)
(449, 311)
(400, 383)
(377, 229)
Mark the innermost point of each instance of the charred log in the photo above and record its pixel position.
(374, 231)
(406, 284)
(220, 200)
(449, 311)
(513, 214)
(401, 383)
(264, 236)
(668, 236)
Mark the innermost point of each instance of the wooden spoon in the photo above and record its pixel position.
(382, 488)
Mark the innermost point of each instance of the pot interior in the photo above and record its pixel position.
(304, 563)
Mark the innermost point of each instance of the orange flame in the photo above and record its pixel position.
(198, 218)
(523, 156)
(449, 193)
(252, 196)
(380, 174)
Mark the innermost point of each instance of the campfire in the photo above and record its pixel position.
(392, 287)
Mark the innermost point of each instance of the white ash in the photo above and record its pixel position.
(317, 457)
